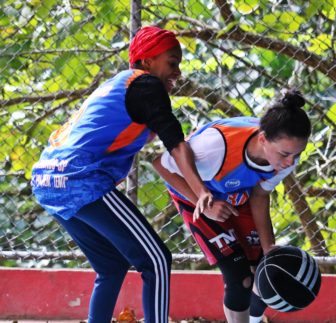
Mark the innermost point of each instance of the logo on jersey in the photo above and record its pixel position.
(253, 239)
(226, 237)
(232, 183)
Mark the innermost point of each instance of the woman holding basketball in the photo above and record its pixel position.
(241, 160)
(76, 177)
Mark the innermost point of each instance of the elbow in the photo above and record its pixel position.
(162, 171)
(180, 149)
(157, 163)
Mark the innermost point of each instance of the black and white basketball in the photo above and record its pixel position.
(288, 279)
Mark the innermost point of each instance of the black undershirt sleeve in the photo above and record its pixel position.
(147, 102)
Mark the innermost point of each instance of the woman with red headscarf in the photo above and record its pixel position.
(76, 177)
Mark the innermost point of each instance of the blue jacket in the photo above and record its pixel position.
(90, 153)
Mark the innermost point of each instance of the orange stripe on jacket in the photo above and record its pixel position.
(235, 137)
(127, 136)
(134, 76)
(60, 136)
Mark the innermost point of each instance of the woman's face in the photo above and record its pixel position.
(282, 152)
(165, 66)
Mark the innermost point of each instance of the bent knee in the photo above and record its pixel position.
(247, 282)
(238, 294)
(154, 260)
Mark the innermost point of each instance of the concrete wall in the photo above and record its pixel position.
(64, 294)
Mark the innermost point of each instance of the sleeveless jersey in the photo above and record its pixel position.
(91, 152)
(236, 177)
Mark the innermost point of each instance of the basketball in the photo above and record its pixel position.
(288, 279)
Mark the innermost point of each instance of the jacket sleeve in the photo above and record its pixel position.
(147, 102)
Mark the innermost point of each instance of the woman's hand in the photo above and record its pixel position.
(205, 201)
(268, 248)
(218, 211)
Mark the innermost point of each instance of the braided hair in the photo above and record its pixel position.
(286, 118)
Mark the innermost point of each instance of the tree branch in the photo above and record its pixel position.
(309, 225)
(208, 34)
(236, 34)
(37, 121)
(41, 99)
(328, 193)
(75, 94)
(58, 51)
(225, 11)
(192, 89)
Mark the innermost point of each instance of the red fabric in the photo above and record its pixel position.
(242, 225)
(151, 41)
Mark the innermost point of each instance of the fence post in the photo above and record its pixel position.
(132, 178)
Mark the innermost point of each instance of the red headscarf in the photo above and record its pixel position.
(151, 41)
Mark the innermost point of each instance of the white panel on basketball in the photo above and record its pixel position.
(315, 278)
(312, 273)
(304, 264)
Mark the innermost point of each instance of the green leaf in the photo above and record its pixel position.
(283, 23)
(320, 44)
(227, 28)
(310, 149)
(189, 43)
(270, 19)
(241, 106)
(43, 11)
(178, 102)
(246, 27)
(17, 158)
(211, 65)
(4, 19)
(108, 32)
(154, 193)
(291, 21)
(329, 9)
(228, 61)
(74, 71)
(191, 65)
(107, 13)
(61, 61)
(313, 8)
(165, 8)
(9, 57)
(268, 93)
(199, 9)
(278, 64)
(332, 222)
(246, 6)
(332, 113)
(55, 84)
(316, 204)
(124, 55)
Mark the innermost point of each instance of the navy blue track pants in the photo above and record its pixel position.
(113, 235)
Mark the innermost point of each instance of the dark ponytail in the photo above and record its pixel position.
(287, 118)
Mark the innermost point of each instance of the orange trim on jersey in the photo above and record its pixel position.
(127, 136)
(235, 139)
(60, 136)
(135, 74)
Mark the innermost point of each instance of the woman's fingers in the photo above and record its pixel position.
(205, 200)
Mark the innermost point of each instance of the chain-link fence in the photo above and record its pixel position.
(238, 56)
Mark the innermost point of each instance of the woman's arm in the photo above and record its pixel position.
(260, 206)
(219, 210)
(148, 102)
(175, 181)
(185, 161)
